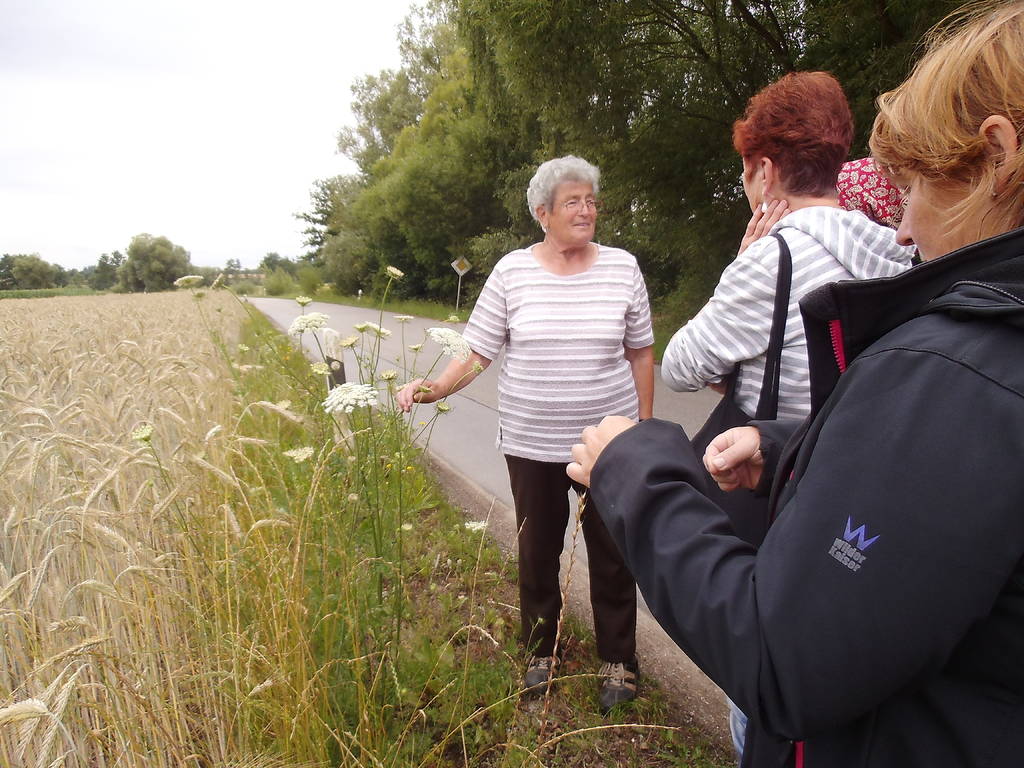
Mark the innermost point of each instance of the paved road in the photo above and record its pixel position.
(463, 449)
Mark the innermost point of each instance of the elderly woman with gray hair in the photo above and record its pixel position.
(574, 319)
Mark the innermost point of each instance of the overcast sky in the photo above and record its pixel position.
(206, 121)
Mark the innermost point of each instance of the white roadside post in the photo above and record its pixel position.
(461, 266)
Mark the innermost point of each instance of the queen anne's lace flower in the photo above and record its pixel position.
(311, 322)
(451, 342)
(143, 434)
(389, 375)
(453, 319)
(349, 341)
(303, 300)
(299, 455)
(415, 347)
(374, 328)
(188, 281)
(349, 396)
(403, 318)
(475, 525)
(394, 272)
(321, 369)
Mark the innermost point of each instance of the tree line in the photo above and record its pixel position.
(646, 89)
(150, 263)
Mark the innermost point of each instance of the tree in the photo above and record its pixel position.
(274, 261)
(31, 272)
(7, 281)
(105, 275)
(152, 264)
(232, 267)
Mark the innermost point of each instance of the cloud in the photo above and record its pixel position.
(207, 122)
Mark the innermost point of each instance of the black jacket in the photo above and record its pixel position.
(881, 621)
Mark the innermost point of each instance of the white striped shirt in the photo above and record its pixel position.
(564, 366)
(827, 244)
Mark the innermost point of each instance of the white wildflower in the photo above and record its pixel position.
(299, 455)
(320, 369)
(361, 327)
(451, 342)
(349, 341)
(475, 526)
(311, 322)
(403, 318)
(389, 375)
(453, 319)
(303, 300)
(415, 347)
(381, 332)
(188, 281)
(143, 434)
(406, 526)
(350, 396)
(394, 272)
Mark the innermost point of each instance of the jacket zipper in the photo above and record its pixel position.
(835, 332)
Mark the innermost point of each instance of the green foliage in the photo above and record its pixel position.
(309, 280)
(647, 90)
(244, 287)
(152, 264)
(273, 261)
(279, 283)
(105, 275)
(43, 293)
(30, 272)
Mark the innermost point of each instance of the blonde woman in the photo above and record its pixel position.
(881, 621)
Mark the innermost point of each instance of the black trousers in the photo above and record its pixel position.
(540, 490)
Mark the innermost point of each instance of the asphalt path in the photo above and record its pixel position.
(463, 451)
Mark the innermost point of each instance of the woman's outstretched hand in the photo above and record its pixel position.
(416, 391)
(734, 458)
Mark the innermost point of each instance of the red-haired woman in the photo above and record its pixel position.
(793, 139)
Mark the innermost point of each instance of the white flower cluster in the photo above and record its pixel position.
(350, 396)
(311, 322)
(373, 328)
(475, 526)
(320, 369)
(389, 375)
(143, 433)
(299, 455)
(303, 300)
(394, 272)
(403, 318)
(451, 342)
(188, 281)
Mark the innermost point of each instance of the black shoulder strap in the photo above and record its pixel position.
(768, 405)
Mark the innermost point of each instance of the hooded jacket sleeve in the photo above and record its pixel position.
(897, 534)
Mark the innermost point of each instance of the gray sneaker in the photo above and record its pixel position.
(619, 684)
(539, 673)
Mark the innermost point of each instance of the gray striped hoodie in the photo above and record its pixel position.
(827, 244)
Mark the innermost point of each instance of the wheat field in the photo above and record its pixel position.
(103, 660)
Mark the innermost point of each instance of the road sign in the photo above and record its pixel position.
(461, 265)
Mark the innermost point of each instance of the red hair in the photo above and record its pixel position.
(802, 123)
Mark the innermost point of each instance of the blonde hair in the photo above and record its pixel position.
(929, 126)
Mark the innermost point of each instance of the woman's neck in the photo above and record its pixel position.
(796, 202)
(564, 259)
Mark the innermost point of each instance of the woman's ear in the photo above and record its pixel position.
(769, 176)
(1001, 144)
(542, 217)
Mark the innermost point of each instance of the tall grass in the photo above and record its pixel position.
(200, 566)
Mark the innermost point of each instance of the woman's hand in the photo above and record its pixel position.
(416, 391)
(762, 221)
(586, 454)
(734, 458)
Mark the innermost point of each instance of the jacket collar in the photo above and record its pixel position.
(842, 319)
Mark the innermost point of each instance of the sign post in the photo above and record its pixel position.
(461, 266)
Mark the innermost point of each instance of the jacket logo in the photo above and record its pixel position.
(849, 549)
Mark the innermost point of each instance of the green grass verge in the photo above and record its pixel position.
(407, 618)
(43, 293)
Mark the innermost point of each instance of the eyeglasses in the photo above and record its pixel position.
(576, 204)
